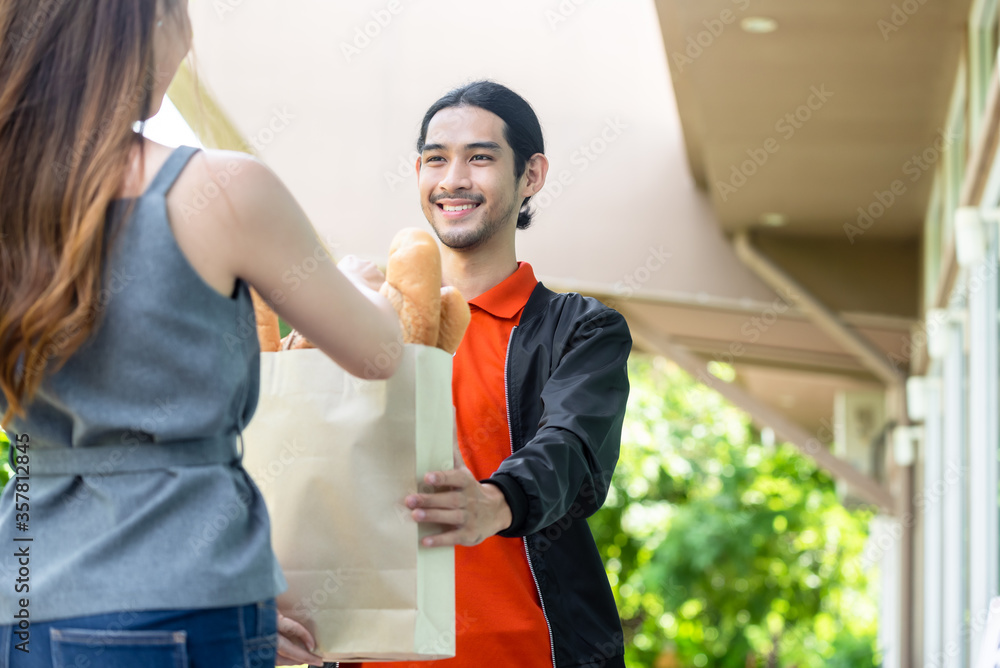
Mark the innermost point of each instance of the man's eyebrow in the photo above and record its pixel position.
(479, 145)
(484, 145)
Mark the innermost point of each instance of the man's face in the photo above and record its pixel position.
(466, 177)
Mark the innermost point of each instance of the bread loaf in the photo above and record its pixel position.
(296, 341)
(268, 331)
(429, 314)
(455, 317)
(413, 285)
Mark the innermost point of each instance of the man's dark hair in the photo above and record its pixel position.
(521, 128)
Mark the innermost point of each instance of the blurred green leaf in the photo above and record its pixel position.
(5, 472)
(720, 548)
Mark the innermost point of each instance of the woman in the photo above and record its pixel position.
(128, 352)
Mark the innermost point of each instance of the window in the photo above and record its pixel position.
(982, 59)
(955, 553)
(933, 250)
(952, 170)
(933, 521)
(984, 430)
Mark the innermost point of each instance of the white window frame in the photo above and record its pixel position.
(984, 436)
(952, 165)
(955, 423)
(982, 60)
(933, 246)
(933, 519)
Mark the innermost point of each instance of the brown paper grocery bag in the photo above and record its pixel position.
(334, 457)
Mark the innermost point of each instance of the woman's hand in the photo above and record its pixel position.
(292, 639)
(361, 272)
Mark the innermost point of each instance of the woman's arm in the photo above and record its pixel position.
(271, 240)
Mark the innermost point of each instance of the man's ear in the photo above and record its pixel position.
(417, 166)
(534, 175)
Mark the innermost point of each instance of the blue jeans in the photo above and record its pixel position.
(238, 637)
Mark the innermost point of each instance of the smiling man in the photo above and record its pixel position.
(540, 387)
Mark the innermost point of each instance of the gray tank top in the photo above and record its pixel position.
(136, 493)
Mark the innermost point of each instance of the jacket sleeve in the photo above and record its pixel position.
(566, 467)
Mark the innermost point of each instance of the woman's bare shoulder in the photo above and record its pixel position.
(231, 187)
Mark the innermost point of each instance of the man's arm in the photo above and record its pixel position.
(566, 466)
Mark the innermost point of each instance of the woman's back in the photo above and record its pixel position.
(134, 441)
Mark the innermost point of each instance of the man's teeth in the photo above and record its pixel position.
(464, 207)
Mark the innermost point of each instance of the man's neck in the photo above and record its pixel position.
(474, 273)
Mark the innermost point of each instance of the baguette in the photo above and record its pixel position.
(296, 341)
(413, 285)
(455, 317)
(268, 331)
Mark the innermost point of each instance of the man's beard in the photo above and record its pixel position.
(466, 240)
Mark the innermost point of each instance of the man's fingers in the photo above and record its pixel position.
(443, 539)
(459, 478)
(449, 517)
(446, 500)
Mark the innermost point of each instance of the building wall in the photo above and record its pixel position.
(956, 399)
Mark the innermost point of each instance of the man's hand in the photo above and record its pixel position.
(292, 638)
(473, 511)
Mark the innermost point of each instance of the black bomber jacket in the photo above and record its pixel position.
(566, 386)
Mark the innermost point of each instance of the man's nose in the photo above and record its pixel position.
(457, 177)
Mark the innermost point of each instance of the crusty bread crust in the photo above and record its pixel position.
(268, 332)
(455, 317)
(413, 285)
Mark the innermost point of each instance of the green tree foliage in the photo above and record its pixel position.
(723, 551)
(5, 471)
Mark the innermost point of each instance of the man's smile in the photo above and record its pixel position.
(456, 208)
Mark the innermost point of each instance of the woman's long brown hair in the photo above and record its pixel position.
(75, 76)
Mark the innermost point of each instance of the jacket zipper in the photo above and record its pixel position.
(524, 540)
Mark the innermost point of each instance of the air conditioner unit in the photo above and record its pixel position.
(859, 420)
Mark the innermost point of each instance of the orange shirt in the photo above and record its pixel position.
(498, 618)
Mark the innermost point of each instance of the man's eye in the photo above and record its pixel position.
(433, 158)
(483, 157)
